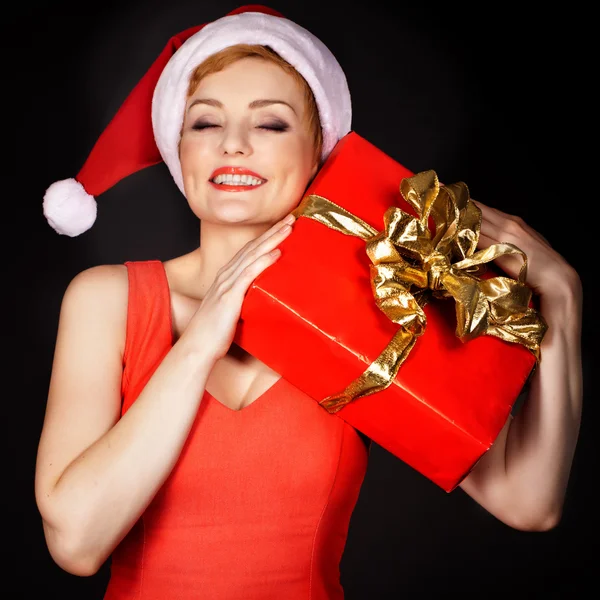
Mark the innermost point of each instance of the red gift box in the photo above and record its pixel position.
(312, 318)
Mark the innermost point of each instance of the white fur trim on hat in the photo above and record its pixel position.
(298, 46)
(69, 209)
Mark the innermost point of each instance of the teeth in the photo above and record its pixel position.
(237, 180)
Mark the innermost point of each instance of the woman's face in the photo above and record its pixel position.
(246, 153)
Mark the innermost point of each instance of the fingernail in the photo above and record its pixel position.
(289, 219)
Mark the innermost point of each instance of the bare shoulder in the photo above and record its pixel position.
(98, 293)
(99, 284)
(99, 279)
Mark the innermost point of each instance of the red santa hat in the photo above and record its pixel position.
(146, 128)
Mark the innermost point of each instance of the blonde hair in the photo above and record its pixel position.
(219, 61)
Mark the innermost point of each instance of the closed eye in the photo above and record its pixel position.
(200, 126)
(279, 127)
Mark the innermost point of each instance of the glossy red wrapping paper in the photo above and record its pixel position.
(312, 318)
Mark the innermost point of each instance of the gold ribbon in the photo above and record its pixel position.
(410, 265)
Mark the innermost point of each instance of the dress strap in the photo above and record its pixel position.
(149, 325)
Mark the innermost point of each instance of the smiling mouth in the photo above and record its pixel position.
(228, 180)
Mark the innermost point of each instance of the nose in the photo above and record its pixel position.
(235, 141)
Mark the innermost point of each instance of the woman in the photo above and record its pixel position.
(201, 471)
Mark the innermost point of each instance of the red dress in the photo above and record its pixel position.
(259, 504)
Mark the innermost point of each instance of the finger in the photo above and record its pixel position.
(497, 224)
(526, 239)
(252, 270)
(491, 230)
(239, 257)
(491, 214)
(508, 223)
(485, 241)
(288, 220)
(266, 246)
(498, 218)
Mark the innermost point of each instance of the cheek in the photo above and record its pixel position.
(296, 180)
(192, 155)
(296, 159)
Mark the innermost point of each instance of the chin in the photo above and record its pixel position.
(230, 214)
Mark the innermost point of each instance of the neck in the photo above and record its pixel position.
(219, 243)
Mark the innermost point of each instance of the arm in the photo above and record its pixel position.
(523, 478)
(96, 472)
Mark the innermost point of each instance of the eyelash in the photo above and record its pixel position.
(276, 128)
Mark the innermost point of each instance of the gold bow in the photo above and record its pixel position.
(410, 264)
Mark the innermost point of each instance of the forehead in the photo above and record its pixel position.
(250, 78)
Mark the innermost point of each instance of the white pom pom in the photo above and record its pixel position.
(69, 209)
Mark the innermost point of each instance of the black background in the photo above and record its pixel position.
(493, 98)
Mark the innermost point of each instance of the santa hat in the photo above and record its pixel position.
(146, 128)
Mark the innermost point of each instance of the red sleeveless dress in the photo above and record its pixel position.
(258, 505)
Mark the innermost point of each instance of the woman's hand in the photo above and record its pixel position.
(216, 319)
(548, 273)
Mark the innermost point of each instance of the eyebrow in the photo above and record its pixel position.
(253, 104)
